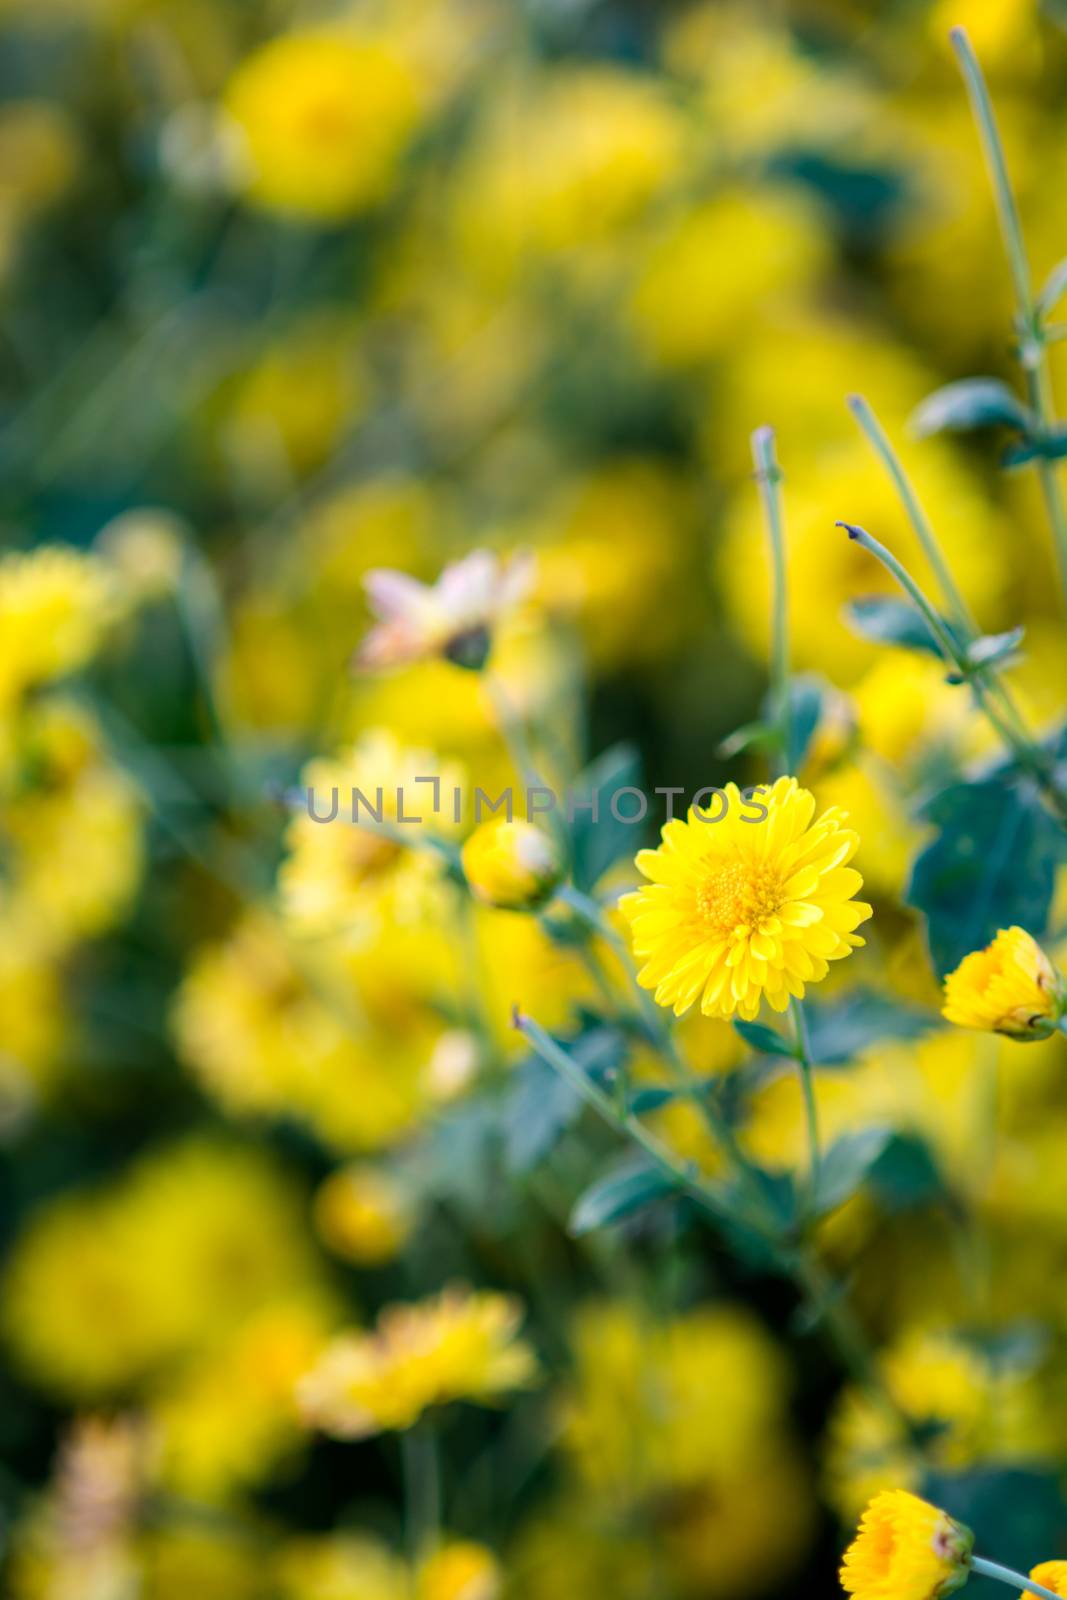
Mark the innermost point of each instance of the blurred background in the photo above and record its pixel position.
(290, 293)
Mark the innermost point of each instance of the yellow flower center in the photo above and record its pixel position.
(738, 895)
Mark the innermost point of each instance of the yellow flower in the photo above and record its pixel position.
(1010, 987)
(746, 907)
(512, 865)
(1051, 1575)
(55, 605)
(906, 1549)
(461, 1345)
(362, 1214)
(324, 117)
(459, 1571)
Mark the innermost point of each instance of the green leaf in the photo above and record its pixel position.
(970, 403)
(1050, 444)
(1053, 289)
(652, 1099)
(766, 1040)
(622, 1192)
(992, 864)
(889, 621)
(540, 1107)
(596, 844)
(752, 736)
(846, 1165)
(840, 1030)
(994, 647)
(906, 1175)
(807, 698)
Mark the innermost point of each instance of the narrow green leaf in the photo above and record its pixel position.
(753, 736)
(994, 647)
(618, 1195)
(846, 1165)
(971, 403)
(1053, 289)
(598, 837)
(884, 620)
(651, 1099)
(765, 1040)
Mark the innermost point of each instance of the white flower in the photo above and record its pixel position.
(454, 617)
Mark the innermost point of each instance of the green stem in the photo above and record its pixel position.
(879, 440)
(993, 1569)
(795, 1263)
(1034, 354)
(769, 477)
(957, 607)
(422, 1488)
(811, 1111)
(1027, 756)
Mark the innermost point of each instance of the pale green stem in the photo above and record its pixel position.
(1024, 752)
(769, 477)
(1034, 354)
(993, 1569)
(511, 730)
(811, 1110)
(959, 612)
(422, 1488)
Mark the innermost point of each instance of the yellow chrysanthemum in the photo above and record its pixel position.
(362, 1214)
(906, 1549)
(1051, 1575)
(512, 865)
(1010, 987)
(55, 606)
(324, 117)
(746, 907)
(457, 1346)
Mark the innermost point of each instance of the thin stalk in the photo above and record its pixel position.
(959, 612)
(1026, 755)
(1033, 351)
(793, 1262)
(993, 1569)
(422, 1488)
(769, 477)
(811, 1110)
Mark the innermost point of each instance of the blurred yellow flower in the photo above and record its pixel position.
(906, 1549)
(55, 607)
(104, 1288)
(1051, 1575)
(746, 908)
(354, 878)
(460, 1570)
(363, 1214)
(512, 865)
(461, 1345)
(715, 263)
(342, 1566)
(325, 118)
(1010, 987)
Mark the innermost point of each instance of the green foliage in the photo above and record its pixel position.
(969, 404)
(991, 864)
(597, 845)
(846, 1166)
(626, 1188)
(890, 621)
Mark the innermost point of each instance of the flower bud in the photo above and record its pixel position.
(1010, 987)
(512, 865)
(906, 1548)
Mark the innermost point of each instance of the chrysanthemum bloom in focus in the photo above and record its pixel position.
(512, 865)
(1010, 987)
(906, 1549)
(746, 907)
(1051, 1575)
(323, 118)
(457, 1346)
(454, 617)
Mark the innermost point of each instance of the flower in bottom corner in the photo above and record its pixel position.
(1050, 1575)
(906, 1549)
(459, 1345)
(1010, 987)
(747, 907)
